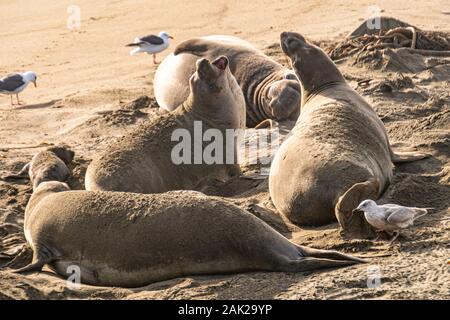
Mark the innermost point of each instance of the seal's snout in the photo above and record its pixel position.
(203, 68)
(285, 104)
(221, 63)
(201, 63)
(291, 42)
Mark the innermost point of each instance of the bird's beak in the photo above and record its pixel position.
(35, 85)
(354, 211)
(170, 37)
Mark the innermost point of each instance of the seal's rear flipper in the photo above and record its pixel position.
(328, 254)
(355, 225)
(23, 174)
(400, 157)
(309, 264)
(195, 46)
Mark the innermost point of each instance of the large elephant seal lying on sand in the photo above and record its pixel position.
(338, 153)
(48, 165)
(143, 161)
(130, 240)
(270, 90)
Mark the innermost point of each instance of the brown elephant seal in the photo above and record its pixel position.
(48, 165)
(144, 160)
(271, 91)
(338, 153)
(130, 240)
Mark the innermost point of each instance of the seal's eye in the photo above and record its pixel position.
(290, 76)
(214, 88)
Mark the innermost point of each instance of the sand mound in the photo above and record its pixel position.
(397, 46)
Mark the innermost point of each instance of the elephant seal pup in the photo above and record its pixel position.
(338, 153)
(48, 165)
(149, 160)
(131, 240)
(271, 91)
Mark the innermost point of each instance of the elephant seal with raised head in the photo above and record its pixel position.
(131, 240)
(338, 153)
(271, 91)
(150, 160)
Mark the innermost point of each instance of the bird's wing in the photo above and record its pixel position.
(390, 205)
(399, 215)
(419, 212)
(152, 39)
(11, 83)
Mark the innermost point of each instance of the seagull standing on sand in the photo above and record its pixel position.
(16, 83)
(151, 44)
(390, 217)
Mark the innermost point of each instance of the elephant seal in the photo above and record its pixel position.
(271, 91)
(338, 153)
(48, 165)
(143, 161)
(130, 240)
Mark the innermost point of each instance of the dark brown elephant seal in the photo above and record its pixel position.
(338, 153)
(130, 240)
(143, 161)
(271, 91)
(48, 165)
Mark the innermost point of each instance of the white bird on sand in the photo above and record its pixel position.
(16, 83)
(151, 44)
(390, 217)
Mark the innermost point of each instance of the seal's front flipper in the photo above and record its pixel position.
(35, 266)
(23, 174)
(41, 257)
(195, 46)
(355, 226)
(268, 123)
(400, 157)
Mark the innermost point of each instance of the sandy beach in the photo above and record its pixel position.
(91, 90)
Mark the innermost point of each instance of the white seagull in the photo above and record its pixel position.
(390, 217)
(151, 44)
(16, 83)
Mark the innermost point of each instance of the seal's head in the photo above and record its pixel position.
(313, 67)
(283, 97)
(210, 78)
(215, 93)
(63, 152)
(41, 191)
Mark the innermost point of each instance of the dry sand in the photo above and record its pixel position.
(87, 80)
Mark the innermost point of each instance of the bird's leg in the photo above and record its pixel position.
(12, 101)
(154, 59)
(396, 234)
(382, 235)
(18, 101)
(378, 238)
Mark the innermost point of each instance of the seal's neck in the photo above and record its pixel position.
(316, 73)
(210, 115)
(308, 95)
